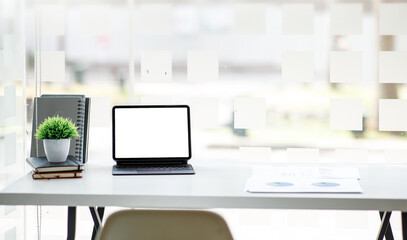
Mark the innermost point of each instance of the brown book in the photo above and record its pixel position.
(56, 175)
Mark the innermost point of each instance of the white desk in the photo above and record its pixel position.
(216, 184)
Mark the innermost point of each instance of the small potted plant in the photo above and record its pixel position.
(56, 132)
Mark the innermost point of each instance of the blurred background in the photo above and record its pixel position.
(266, 82)
(94, 48)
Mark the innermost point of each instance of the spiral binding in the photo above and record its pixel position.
(80, 124)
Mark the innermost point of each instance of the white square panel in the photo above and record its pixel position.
(10, 101)
(298, 66)
(11, 234)
(396, 156)
(307, 155)
(10, 143)
(250, 19)
(347, 18)
(52, 66)
(346, 114)
(95, 20)
(278, 156)
(393, 67)
(156, 66)
(156, 19)
(393, 18)
(10, 66)
(351, 155)
(392, 115)
(204, 112)
(249, 113)
(187, 19)
(346, 67)
(255, 154)
(298, 19)
(9, 49)
(53, 20)
(203, 66)
(100, 112)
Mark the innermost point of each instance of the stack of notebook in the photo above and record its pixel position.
(74, 107)
(42, 169)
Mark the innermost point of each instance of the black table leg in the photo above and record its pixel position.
(389, 231)
(71, 223)
(97, 215)
(404, 224)
(385, 228)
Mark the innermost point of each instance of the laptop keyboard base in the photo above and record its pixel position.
(153, 169)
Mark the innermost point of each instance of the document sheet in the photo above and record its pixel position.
(304, 180)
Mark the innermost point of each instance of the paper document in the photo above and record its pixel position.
(304, 180)
(307, 172)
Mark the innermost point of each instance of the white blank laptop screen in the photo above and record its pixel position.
(151, 132)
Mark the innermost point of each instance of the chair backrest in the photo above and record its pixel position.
(165, 225)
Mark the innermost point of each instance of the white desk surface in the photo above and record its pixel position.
(216, 184)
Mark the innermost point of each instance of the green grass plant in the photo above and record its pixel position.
(57, 127)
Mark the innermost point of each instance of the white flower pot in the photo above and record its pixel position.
(56, 150)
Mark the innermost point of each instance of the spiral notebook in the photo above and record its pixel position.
(74, 107)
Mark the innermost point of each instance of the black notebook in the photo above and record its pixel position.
(74, 107)
(41, 165)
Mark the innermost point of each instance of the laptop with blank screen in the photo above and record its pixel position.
(151, 140)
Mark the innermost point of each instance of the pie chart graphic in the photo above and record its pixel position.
(326, 184)
(279, 184)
